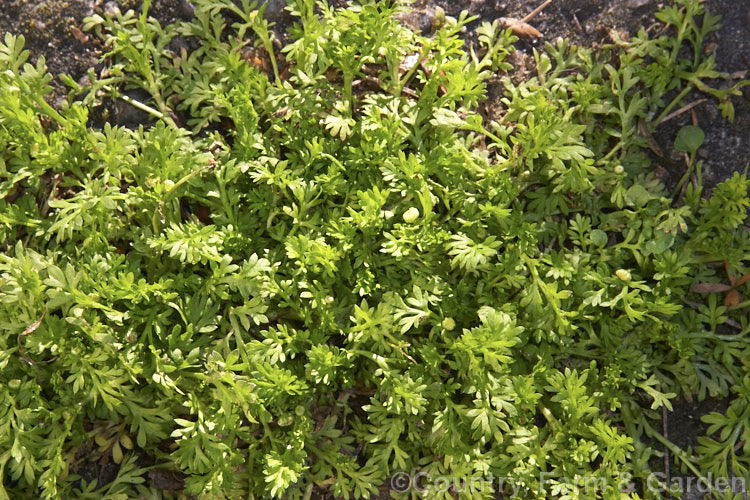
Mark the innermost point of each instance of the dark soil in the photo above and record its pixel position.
(683, 427)
(46, 25)
(587, 22)
(52, 30)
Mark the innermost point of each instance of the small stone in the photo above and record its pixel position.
(185, 9)
(274, 9)
(111, 8)
(637, 4)
(425, 22)
(87, 8)
(84, 81)
(711, 112)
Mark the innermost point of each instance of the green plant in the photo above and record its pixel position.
(353, 272)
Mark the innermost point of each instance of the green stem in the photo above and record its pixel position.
(170, 194)
(672, 104)
(680, 35)
(685, 177)
(269, 48)
(143, 107)
(49, 110)
(606, 157)
(673, 448)
(679, 453)
(260, 27)
(490, 135)
(422, 55)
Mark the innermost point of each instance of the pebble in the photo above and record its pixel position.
(111, 8)
(178, 43)
(87, 8)
(84, 80)
(274, 9)
(711, 112)
(426, 21)
(637, 4)
(185, 9)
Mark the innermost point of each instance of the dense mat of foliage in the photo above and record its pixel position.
(324, 278)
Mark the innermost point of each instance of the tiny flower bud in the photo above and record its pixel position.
(619, 169)
(411, 215)
(449, 324)
(439, 17)
(623, 274)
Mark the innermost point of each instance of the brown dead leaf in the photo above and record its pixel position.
(683, 109)
(32, 327)
(332, 75)
(711, 287)
(78, 34)
(710, 48)
(258, 58)
(732, 299)
(519, 27)
(29, 329)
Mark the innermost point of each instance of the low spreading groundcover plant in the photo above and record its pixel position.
(311, 278)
